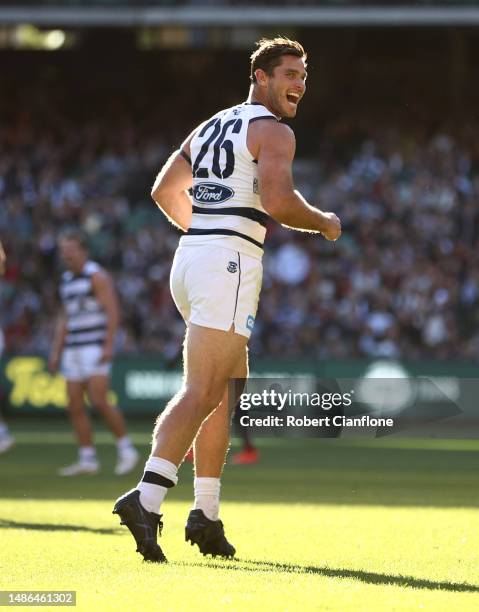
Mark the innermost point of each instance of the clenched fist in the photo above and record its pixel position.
(332, 226)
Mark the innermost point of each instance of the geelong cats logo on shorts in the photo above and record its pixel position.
(212, 193)
(232, 266)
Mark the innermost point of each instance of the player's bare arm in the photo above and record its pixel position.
(273, 145)
(105, 294)
(58, 342)
(170, 188)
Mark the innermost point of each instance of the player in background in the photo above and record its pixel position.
(249, 453)
(6, 438)
(239, 166)
(84, 342)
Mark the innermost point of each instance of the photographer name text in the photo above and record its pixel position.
(303, 421)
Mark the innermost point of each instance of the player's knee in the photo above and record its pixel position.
(102, 405)
(204, 399)
(98, 398)
(75, 407)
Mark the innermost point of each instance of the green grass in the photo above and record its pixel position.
(318, 525)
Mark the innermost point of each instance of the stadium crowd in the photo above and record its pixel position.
(403, 280)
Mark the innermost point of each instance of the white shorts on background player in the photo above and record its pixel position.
(79, 363)
(216, 287)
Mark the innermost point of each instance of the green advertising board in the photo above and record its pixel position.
(142, 385)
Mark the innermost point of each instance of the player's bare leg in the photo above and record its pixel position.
(98, 387)
(210, 358)
(211, 445)
(76, 411)
(87, 462)
(212, 442)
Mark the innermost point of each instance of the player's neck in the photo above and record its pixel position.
(255, 98)
(78, 268)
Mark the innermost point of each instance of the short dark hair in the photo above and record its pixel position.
(270, 51)
(73, 233)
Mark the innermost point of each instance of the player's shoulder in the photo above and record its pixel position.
(258, 112)
(273, 131)
(92, 267)
(268, 137)
(251, 111)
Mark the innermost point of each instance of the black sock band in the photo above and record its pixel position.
(157, 479)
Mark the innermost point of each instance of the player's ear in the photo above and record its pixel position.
(261, 77)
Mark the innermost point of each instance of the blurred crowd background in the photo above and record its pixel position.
(402, 282)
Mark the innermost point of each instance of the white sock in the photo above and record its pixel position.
(3, 430)
(151, 494)
(87, 453)
(124, 444)
(207, 496)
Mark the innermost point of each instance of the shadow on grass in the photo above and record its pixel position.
(362, 576)
(8, 524)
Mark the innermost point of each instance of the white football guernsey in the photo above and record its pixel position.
(86, 317)
(227, 209)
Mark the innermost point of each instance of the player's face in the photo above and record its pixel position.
(73, 255)
(287, 86)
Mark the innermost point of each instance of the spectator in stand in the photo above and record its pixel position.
(403, 283)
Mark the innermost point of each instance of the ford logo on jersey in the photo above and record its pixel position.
(211, 193)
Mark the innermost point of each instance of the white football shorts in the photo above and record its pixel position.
(216, 287)
(79, 363)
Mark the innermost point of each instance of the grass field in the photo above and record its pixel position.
(318, 525)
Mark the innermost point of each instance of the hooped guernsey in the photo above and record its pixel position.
(227, 209)
(86, 317)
